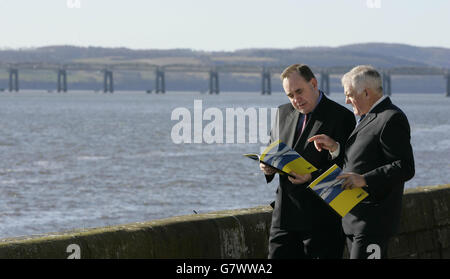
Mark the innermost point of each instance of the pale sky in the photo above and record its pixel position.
(215, 25)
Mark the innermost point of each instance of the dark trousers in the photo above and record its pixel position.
(367, 246)
(324, 244)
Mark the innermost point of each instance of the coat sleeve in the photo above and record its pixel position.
(344, 128)
(396, 148)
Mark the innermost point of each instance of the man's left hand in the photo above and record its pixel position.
(352, 180)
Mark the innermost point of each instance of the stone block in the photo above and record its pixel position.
(443, 236)
(441, 206)
(426, 241)
(417, 212)
(445, 253)
(401, 246)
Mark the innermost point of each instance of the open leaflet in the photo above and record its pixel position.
(328, 187)
(283, 158)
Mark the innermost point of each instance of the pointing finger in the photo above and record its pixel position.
(318, 146)
(313, 138)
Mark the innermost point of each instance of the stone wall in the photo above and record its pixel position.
(424, 233)
(425, 224)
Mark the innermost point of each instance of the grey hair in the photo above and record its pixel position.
(361, 77)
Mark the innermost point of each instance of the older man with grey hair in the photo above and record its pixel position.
(378, 158)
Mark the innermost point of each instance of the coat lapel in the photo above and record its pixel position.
(311, 129)
(291, 125)
(370, 116)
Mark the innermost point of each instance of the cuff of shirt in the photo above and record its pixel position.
(335, 153)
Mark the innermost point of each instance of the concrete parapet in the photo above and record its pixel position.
(424, 233)
(225, 234)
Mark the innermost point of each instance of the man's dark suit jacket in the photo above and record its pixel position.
(298, 208)
(379, 149)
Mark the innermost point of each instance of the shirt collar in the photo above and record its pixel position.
(376, 103)
(318, 101)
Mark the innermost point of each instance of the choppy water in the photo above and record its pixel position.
(83, 159)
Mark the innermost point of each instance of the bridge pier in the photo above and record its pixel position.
(325, 82)
(62, 80)
(213, 82)
(447, 77)
(160, 81)
(387, 83)
(13, 80)
(108, 83)
(266, 82)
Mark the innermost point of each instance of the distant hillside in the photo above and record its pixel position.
(376, 54)
(430, 56)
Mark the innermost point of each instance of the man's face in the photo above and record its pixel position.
(360, 102)
(302, 94)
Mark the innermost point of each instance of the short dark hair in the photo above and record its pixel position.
(302, 69)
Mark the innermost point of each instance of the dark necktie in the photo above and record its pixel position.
(361, 118)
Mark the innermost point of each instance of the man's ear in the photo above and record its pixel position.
(314, 83)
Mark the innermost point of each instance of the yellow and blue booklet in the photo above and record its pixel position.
(328, 187)
(283, 158)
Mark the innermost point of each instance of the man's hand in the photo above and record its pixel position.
(299, 179)
(324, 142)
(352, 180)
(268, 170)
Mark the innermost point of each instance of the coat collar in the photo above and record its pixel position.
(372, 114)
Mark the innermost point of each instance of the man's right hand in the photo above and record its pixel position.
(324, 142)
(268, 170)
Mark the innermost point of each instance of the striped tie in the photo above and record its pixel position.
(299, 130)
(305, 118)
